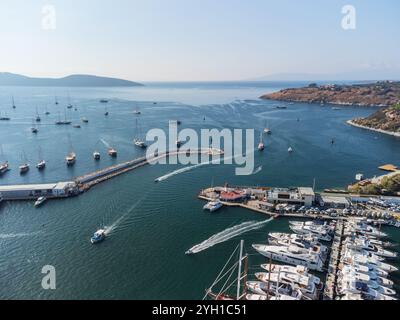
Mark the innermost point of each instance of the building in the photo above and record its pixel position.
(33, 191)
(299, 196)
(339, 202)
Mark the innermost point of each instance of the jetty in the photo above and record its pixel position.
(86, 182)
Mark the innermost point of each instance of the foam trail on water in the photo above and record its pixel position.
(17, 235)
(186, 169)
(110, 229)
(228, 234)
(105, 143)
(257, 170)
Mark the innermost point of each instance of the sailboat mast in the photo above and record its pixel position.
(240, 269)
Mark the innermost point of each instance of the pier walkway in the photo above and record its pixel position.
(89, 180)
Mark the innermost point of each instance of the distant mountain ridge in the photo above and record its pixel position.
(76, 80)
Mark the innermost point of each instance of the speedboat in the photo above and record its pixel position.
(213, 206)
(34, 130)
(267, 131)
(103, 101)
(77, 126)
(292, 255)
(40, 201)
(98, 236)
(41, 165)
(85, 120)
(70, 159)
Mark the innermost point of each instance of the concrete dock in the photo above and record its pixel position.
(84, 183)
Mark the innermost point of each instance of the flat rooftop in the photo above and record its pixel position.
(32, 187)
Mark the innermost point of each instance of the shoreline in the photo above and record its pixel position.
(394, 134)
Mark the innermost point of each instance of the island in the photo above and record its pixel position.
(377, 94)
(76, 80)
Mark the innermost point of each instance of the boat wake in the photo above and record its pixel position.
(228, 234)
(105, 143)
(186, 169)
(257, 170)
(110, 229)
(18, 235)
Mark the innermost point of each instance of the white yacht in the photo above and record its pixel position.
(262, 288)
(353, 286)
(213, 206)
(369, 277)
(369, 262)
(300, 270)
(303, 283)
(361, 245)
(40, 201)
(4, 167)
(301, 241)
(292, 255)
(320, 232)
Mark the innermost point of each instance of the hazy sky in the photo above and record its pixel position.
(196, 39)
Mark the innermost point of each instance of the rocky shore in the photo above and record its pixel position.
(384, 121)
(380, 94)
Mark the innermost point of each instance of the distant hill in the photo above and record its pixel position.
(383, 94)
(77, 80)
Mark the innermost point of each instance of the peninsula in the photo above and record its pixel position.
(380, 94)
(384, 120)
(77, 80)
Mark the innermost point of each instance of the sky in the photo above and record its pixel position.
(197, 40)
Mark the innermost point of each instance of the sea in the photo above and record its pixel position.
(151, 225)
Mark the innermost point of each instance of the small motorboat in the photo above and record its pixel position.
(112, 152)
(96, 155)
(24, 168)
(98, 236)
(290, 150)
(40, 201)
(41, 165)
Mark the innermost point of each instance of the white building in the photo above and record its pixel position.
(32, 191)
(301, 196)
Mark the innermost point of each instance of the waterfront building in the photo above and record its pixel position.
(32, 191)
(304, 196)
(339, 202)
